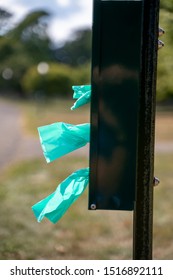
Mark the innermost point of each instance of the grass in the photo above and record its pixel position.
(80, 234)
(46, 112)
(163, 208)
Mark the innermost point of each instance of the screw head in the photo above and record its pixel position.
(160, 44)
(161, 31)
(93, 206)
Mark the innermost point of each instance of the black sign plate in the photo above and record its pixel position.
(116, 57)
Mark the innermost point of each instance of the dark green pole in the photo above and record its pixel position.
(143, 213)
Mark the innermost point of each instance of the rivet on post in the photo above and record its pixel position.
(161, 31)
(156, 181)
(160, 44)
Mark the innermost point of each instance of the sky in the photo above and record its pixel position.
(66, 15)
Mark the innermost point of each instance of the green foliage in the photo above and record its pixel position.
(30, 24)
(165, 59)
(76, 51)
(32, 34)
(6, 48)
(56, 82)
(14, 59)
(20, 48)
(4, 20)
(28, 44)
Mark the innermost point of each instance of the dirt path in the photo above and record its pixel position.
(164, 147)
(14, 145)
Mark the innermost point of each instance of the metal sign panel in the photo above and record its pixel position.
(116, 58)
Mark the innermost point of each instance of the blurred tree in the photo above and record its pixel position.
(165, 59)
(77, 51)
(4, 21)
(54, 80)
(26, 44)
(32, 33)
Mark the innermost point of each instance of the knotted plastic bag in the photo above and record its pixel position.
(82, 94)
(56, 204)
(59, 139)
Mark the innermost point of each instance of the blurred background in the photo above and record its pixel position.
(45, 48)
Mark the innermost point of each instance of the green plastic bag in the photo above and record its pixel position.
(56, 204)
(59, 139)
(83, 93)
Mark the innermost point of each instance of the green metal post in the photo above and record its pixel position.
(143, 213)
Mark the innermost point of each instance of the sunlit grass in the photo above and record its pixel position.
(163, 208)
(80, 234)
(38, 113)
